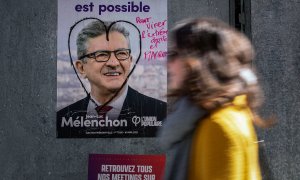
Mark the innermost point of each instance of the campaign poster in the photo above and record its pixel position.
(134, 167)
(111, 68)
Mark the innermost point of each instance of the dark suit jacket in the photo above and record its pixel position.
(142, 113)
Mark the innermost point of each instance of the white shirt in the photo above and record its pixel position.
(116, 103)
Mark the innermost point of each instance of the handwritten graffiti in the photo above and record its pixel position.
(156, 33)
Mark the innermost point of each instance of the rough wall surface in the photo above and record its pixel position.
(178, 10)
(275, 34)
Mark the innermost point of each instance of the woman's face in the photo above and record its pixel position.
(176, 73)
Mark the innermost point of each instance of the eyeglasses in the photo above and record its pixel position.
(104, 56)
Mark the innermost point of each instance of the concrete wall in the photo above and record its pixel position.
(275, 34)
(178, 10)
(29, 149)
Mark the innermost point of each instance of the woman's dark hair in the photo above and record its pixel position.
(221, 67)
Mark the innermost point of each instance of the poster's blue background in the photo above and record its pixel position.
(29, 149)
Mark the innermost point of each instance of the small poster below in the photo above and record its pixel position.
(133, 167)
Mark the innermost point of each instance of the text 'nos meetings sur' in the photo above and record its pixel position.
(129, 7)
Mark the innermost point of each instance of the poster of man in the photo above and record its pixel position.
(111, 78)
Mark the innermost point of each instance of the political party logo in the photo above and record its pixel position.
(146, 121)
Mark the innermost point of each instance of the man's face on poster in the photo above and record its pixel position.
(106, 77)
